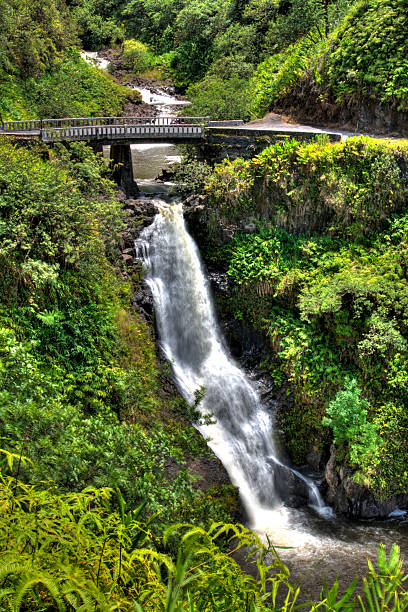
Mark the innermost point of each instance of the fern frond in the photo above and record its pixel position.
(29, 581)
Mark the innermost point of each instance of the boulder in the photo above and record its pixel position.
(353, 499)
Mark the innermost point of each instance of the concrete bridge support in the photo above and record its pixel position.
(123, 170)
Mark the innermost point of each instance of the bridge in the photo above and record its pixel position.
(106, 130)
(214, 140)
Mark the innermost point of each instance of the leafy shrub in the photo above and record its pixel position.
(212, 98)
(91, 550)
(353, 186)
(277, 75)
(191, 176)
(136, 56)
(98, 27)
(32, 34)
(348, 419)
(72, 87)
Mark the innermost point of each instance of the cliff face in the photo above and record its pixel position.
(343, 188)
(312, 241)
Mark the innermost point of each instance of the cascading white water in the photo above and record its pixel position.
(242, 435)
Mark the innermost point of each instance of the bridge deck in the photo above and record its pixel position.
(128, 130)
(110, 129)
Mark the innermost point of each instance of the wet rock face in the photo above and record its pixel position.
(291, 489)
(352, 499)
(144, 210)
(142, 301)
(140, 213)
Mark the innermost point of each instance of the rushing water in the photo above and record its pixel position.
(149, 159)
(320, 544)
(242, 433)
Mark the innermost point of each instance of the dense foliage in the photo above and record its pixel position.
(92, 551)
(260, 54)
(322, 58)
(362, 62)
(79, 376)
(324, 275)
(42, 73)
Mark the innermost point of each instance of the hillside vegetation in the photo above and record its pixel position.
(324, 278)
(339, 60)
(41, 71)
(360, 67)
(327, 60)
(210, 48)
(79, 376)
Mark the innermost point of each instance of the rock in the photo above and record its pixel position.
(121, 195)
(167, 173)
(209, 470)
(314, 458)
(292, 490)
(128, 260)
(142, 299)
(250, 227)
(352, 499)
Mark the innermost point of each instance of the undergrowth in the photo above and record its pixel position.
(92, 551)
(324, 277)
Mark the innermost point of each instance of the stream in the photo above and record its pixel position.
(240, 432)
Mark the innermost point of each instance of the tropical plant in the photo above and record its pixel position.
(347, 416)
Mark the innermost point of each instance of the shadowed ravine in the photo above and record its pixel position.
(333, 547)
(242, 436)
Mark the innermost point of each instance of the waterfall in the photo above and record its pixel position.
(241, 431)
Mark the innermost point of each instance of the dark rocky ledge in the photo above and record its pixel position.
(352, 499)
